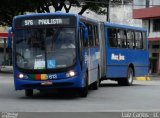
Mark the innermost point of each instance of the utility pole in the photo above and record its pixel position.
(108, 11)
(122, 2)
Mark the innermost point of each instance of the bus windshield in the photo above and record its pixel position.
(49, 48)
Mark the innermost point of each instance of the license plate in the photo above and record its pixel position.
(47, 83)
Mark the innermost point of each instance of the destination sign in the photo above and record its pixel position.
(37, 22)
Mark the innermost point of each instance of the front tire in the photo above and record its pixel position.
(29, 92)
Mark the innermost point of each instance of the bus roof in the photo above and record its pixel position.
(124, 26)
(55, 13)
(34, 15)
(81, 17)
(89, 19)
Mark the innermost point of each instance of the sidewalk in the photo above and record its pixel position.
(150, 77)
(155, 76)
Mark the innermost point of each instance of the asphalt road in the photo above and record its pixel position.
(143, 96)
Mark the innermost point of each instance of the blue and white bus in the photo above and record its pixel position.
(55, 50)
(124, 52)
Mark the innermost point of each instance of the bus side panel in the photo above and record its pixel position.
(119, 59)
(141, 71)
(119, 67)
(139, 59)
(116, 66)
(93, 60)
(116, 63)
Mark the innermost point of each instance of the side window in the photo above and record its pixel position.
(130, 39)
(112, 37)
(80, 37)
(124, 41)
(96, 35)
(121, 36)
(93, 35)
(144, 40)
(90, 33)
(82, 42)
(138, 40)
(90, 36)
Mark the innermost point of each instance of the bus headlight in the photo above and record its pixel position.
(71, 74)
(21, 76)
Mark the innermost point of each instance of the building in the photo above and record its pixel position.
(149, 12)
(5, 53)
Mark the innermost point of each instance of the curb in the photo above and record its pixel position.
(143, 78)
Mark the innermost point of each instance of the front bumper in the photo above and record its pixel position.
(74, 82)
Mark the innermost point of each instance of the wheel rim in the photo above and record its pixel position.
(130, 78)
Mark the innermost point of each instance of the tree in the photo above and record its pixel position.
(67, 4)
(11, 8)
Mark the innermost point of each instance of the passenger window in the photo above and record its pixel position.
(80, 34)
(90, 33)
(121, 36)
(130, 39)
(138, 40)
(144, 40)
(112, 38)
(96, 36)
(82, 42)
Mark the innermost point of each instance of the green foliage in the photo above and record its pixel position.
(11, 8)
(94, 5)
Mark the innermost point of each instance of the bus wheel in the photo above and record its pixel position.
(129, 80)
(96, 84)
(84, 91)
(29, 92)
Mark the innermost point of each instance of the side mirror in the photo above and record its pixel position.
(9, 40)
